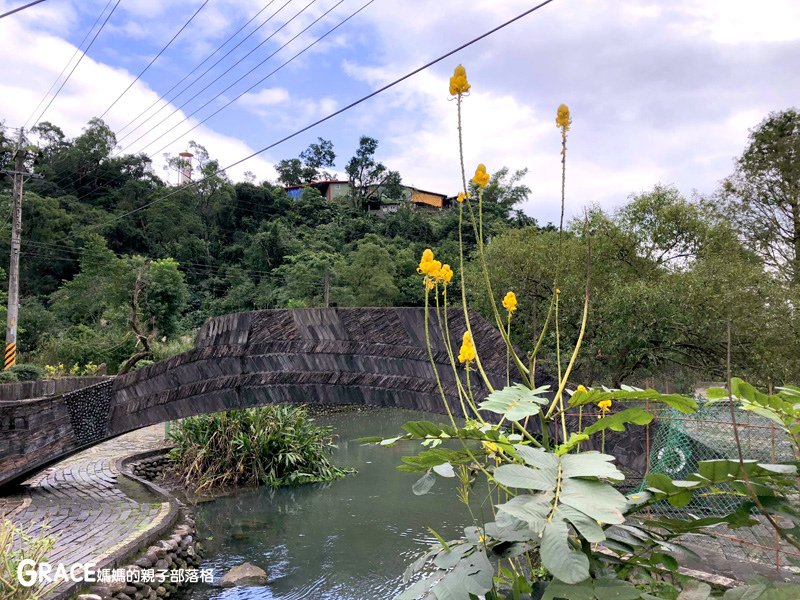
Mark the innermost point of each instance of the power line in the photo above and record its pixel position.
(335, 113)
(19, 8)
(65, 178)
(201, 63)
(273, 34)
(63, 83)
(76, 252)
(69, 62)
(160, 52)
(257, 83)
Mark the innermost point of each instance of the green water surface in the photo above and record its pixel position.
(347, 540)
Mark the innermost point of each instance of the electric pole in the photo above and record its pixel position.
(13, 272)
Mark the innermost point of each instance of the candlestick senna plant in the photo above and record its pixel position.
(547, 517)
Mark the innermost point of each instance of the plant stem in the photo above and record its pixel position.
(462, 393)
(582, 333)
(558, 367)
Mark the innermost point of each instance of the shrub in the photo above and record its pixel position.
(54, 371)
(16, 545)
(8, 377)
(164, 349)
(25, 372)
(272, 445)
(82, 344)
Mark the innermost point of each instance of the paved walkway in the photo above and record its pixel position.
(81, 502)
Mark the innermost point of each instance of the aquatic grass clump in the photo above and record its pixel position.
(270, 445)
(18, 544)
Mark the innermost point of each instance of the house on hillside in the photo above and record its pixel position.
(339, 191)
(428, 200)
(411, 197)
(331, 190)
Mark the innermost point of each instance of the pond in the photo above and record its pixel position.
(347, 540)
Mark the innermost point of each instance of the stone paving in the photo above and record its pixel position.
(82, 502)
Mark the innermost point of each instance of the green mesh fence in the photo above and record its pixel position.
(681, 441)
(678, 442)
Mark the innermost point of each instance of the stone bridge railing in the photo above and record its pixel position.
(376, 357)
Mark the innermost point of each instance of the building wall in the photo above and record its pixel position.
(427, 198)
(338, 191)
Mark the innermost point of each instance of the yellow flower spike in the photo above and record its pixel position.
(558, 291)
(563, 119)
(581, 389)
(481, 177)
(458, 82)
(446, 274)
(604, 405)
(510, 302)
(429, 283)
(467, 352)
(427, 265)
(461, 197)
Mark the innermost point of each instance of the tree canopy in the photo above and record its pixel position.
(118, 265)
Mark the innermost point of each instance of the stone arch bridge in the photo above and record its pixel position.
(366, 356)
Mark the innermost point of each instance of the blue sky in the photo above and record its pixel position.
(661, 92)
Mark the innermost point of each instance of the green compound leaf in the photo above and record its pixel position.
(515, 402)
(595, 499)
(559, 557)
(683, 404)
(586, 526)
(428, 459)
(520, 476)
(531, 509)
(592, 589)
(424, 484)
(425, 429)
(591, 464)
(617, 421)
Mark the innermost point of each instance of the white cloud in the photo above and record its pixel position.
(659, 92)
(265, 97)
(743, 21)
(92, 88)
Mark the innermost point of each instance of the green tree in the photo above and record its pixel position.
(165, 296)
(667, 278)
(128, 298)
(309, 167)
(100, 287)
(370, 180)
(370, 273)
(301, 280)
(765, 192)
(664, 228)
(504, 192)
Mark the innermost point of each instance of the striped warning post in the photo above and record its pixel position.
(11, 355)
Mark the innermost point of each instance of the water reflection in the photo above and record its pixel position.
(347, 540)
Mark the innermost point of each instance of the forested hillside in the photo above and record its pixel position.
(119, 266)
